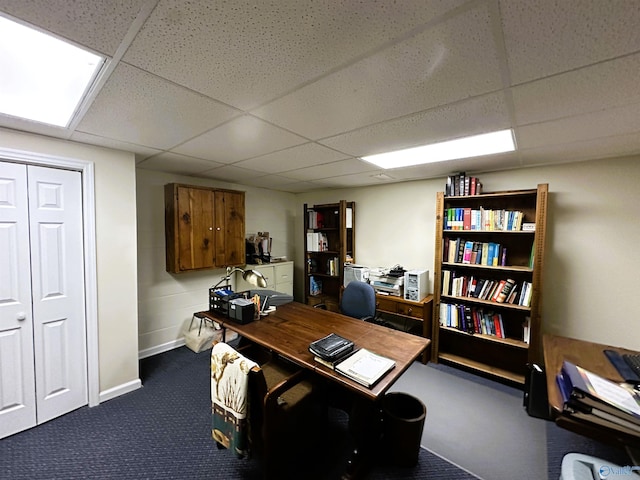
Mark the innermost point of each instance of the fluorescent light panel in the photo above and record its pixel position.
(474, 146)
(43, 78)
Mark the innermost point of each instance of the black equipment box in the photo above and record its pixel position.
(219, 300)
(241, 313)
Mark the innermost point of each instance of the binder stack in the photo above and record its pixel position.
(593, 399)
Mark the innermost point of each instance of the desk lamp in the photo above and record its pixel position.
(254, 277)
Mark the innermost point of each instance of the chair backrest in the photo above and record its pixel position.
(358, 300)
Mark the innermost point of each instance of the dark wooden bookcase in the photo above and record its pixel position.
(503, 358)
(336, 222)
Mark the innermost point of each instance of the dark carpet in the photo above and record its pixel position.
(163, 431)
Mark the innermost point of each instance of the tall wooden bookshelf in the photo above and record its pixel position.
(329, 243)
(502, 351)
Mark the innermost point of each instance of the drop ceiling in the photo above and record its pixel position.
(289, 94)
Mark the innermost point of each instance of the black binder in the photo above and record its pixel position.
(331, 347)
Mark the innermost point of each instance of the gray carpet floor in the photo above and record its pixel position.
(482, 427)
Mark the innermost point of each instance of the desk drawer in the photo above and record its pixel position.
(399, 306)
(386, 304)
(410, 310)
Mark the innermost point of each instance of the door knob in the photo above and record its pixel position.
(21, 316)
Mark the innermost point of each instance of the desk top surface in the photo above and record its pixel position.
(590, 356)
(293, 326)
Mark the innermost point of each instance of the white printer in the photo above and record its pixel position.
(355, 273)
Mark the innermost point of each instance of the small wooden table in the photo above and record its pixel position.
(590, 356)
(420, 311)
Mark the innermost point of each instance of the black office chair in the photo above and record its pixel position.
(359, 301)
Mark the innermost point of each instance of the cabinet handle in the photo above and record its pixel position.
(410, 310)
(21, 316)
(186, 218)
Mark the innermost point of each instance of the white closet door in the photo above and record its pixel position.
(55, 215)
(17, 376)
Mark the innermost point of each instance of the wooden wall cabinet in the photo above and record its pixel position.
(329, 243)
(502, 355)
(204, 228)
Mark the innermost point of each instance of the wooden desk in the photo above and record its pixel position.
(292, 327)
(590, 356)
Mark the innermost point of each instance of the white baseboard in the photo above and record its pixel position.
(120, 390)
(165, 347)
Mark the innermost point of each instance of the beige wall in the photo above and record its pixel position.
(115, 212)
(590, 276)
(592, 267)
(168, 301)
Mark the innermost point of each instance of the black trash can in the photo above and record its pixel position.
(403, 422)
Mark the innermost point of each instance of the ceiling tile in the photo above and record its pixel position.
(469, 117)
(174, 163)
(343, 167)
(354, 180)
(453, 60)
(589, 89)
(241, 138)
(230, 173)
(100, 26)
(292, 158)
(616, 121)
(137, 107)
(545, 37)
(141, 151)
(246, 52)
(618, 146)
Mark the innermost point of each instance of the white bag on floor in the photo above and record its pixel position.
(210, 332)
(201, 339)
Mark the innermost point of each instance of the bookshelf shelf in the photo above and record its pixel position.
(473, 329)
(489, 338)
(488, 303)
(331, 225)
(506, 268)
(483, 368)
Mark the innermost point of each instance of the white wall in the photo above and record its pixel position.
(168, 301)
(593, 229)
(115, 206)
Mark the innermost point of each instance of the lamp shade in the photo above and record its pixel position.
(255, 278)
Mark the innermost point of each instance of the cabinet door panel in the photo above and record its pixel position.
(229, 228)
(195, 228)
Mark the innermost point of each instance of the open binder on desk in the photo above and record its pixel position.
(592, 398)
(365, 367)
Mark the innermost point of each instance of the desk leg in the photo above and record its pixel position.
(365, 426)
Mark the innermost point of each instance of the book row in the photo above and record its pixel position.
(499, 291)
(317, 242)
(459, 250)
(461, 184)
(316, 219)
(463, 218)
(472, 320)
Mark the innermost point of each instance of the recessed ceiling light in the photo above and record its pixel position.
(43, 79)
(474, 146)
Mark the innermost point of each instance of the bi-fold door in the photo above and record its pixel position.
(43, 359)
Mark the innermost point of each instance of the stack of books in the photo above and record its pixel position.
(331, 350)
(594, 399)
(358, 364)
